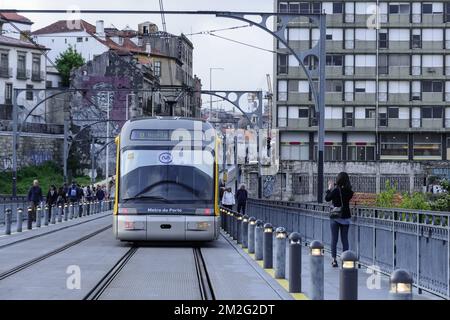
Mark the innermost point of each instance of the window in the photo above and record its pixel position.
(432, 8)
(36, 67)
(282, 90)
(334, 86)
(383, 39)
(427, 145)
(394, 145)
(303, 113)
(48, 84)
(360, 153)
(447, 12)
(348, 119)
(432, 112)
(383, 64)
(4, 64)
(304, 7)
(329, 36)
(337, 7)
(399, 8)
(283, 8)
(316, 7)
(8, 93)
(399, 60)
(79, 39)
(157, 68)
(283, 63)
(383, 119)
(416, 41)
(370, 113)
(393, 113)
(334, 60)
(333, 153)
(29, 92)
(432, 86)
(86, 39)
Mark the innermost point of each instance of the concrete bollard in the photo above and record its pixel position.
(8, 221)
(66, 212)
(83, 213)
(244, 231)
(38, 216)
(231, 223)
(259, 234)
(60, 213)
(316, 267)
(71, 211)
(268, 246)
(46, 217)
(223, 219)
(251, 234)
(19, 219)
(53, 214)
(295, 263)
(88, 208)
(29, 219)
(238, 228)
(348, 277)
(280, 253)
(401, 283)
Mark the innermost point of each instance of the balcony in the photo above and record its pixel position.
(297, 97)
(349, 44)
(365, 71)
(433, 71)
(398, 123)
(400, 71)
(6, 111)
(23, 74)
(432, 97)
(398, 19)
(432, 19)
(447, 97)
(416, 122)
(399, 45)
(38, 76)
(365, 45)
(365, 97)
(432, 124)
(333, 123)
(399, 97)
(334, 45)
(349, 18)
(432, 45)
(333, 97)
(334, 71)
(447, 44)
(298, 123)
(365, 123)
(5, 72)
(299, 45)
(447, 123)
(382, 96)
(416, 18)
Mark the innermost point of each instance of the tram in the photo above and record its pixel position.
(167, 180)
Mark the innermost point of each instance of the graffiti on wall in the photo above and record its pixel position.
(268, 186)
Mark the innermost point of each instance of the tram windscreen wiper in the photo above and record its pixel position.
(140, 197)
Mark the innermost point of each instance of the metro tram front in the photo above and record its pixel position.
(167, 181)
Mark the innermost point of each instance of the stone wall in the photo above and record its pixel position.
(297, 180)
(33, 149)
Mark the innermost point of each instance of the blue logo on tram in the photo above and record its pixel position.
(165, 157)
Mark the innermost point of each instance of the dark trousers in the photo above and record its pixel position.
(33, 205)
(241, 207)
(228, 206)
(335, 228)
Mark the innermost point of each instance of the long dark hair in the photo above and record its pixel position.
(343, 181)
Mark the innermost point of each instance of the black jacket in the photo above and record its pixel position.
(51, 199)
(335, 198)
(241, 196)
(35, 194)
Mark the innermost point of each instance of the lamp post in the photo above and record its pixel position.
(210, 88)
(348, 278)
(401, 285)
(107, 138)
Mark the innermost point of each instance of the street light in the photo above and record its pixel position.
(210, 89)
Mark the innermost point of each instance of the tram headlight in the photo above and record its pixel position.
(203, 225)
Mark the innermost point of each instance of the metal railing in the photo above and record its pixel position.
(389, 239)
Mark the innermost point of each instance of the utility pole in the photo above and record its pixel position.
(92, 161)
(65, 147)
(107, 139)
(321, 98)
(15, 129)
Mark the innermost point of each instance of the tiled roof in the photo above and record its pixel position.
(62, 26)
(14, 17)
(4, 40)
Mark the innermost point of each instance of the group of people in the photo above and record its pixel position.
(73, 193)
(228, 199)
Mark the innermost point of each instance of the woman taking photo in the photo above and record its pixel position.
(339, 193)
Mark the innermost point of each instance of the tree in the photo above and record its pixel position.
(66, 62)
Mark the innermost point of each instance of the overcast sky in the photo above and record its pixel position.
(245, 67)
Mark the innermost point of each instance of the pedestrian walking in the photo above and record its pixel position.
(52, 198)
(35, 198)
(100, 195)
(241, 199)
(339, 193)
(228, 199)
(73, 193)
(62, 196)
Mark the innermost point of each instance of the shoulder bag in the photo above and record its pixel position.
(336, 212)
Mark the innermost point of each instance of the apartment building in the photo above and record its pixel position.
(387, 93)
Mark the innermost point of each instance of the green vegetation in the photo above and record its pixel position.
(48, 173)
(66, 62)
(416, 201)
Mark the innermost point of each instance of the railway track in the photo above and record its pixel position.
(204, 282)
(50, 232)
(34, 261)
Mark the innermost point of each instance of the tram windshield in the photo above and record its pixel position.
(167, 176)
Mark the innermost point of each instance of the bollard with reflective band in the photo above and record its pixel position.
(46, 217)
(71, 211)
(401, 285)
(8, 221)
(251, 234)
(60, 213)
(223, 219)
(316, 266)
(259, 235)
(38, 216)
(88, 208)
(29, 219)
(244, 231)
(295, 263)
(66, 212)
(53, 214)
(239, 228)
(280, 253)
(19, 219)
(76, 209)
(348, 277)
(268, 246)
(84, 210)
(232, 223)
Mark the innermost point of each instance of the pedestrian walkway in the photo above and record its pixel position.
(370, 286)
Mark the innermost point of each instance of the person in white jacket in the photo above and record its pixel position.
(228, 199)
